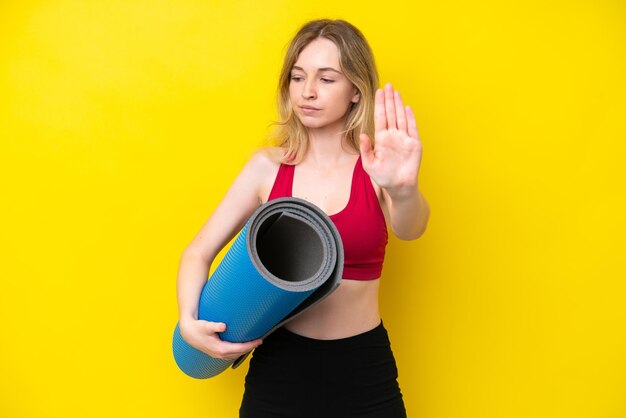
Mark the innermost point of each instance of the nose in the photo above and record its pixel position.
(308, 91)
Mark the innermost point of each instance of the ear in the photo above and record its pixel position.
(356, 96)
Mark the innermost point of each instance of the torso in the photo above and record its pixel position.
(353, 307)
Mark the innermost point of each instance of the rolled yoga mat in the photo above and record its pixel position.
(287, 258)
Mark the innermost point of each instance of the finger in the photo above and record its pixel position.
(390, 107)
(400, 112)
(412, 124)
(214, 326)
(380, 119)
(237, 349)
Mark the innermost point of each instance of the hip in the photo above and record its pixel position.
(297, 376)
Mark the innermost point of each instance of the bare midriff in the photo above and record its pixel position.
(350, 310)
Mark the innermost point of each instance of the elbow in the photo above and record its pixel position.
(195, 253)
(409, 235)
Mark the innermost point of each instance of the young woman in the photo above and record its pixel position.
(353, 150)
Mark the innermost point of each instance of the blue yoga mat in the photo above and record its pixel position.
(287, 257)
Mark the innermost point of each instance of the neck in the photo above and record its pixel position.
(326, 144)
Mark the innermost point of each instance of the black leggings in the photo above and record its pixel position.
(293, 376)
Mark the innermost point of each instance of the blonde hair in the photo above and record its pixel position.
(356, 61)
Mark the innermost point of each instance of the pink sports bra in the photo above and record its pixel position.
(361, 223)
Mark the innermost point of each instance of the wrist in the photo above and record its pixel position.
(186, 320)
(403, 193)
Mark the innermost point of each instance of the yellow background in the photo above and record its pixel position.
(122, 124)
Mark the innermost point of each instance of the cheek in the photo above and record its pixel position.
(343, 93)
(341, 99)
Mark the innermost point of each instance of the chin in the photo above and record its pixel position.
(312, 123)
(315, 124)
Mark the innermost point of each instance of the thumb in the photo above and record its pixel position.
(365, 146)
(215, 326)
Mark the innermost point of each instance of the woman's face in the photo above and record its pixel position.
(317, 82)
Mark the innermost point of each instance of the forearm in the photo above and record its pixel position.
(192, 276)
(408, 212)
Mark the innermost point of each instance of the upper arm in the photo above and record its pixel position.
(231, 214)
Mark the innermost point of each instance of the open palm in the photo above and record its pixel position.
(394, 161)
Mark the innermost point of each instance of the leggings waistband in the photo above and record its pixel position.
(375, 335)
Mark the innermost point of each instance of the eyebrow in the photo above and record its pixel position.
(295, 67)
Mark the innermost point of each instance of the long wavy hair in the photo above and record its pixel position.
(356, 61)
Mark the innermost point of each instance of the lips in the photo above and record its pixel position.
(309, 108)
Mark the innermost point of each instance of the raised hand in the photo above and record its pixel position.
(394, 161)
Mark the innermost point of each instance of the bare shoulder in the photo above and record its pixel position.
(264, 162)
(267, 158)
(248, 190)
(264, 165)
